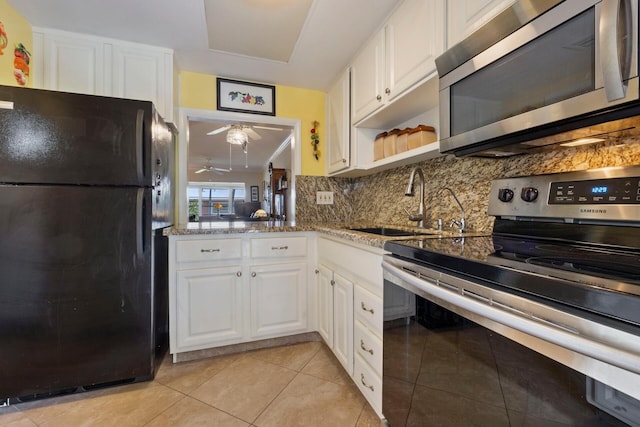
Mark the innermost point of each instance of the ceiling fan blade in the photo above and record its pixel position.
(222, 170)
(201, 170)
(219, 130)
(252, 133)
(267, 128)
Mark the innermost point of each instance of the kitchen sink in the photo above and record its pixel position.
(387, 231)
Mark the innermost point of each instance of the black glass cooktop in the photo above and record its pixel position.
(600, 278)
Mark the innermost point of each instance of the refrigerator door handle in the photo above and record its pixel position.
(141, 223)
(140, 145)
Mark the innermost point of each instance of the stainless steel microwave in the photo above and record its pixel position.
(540, 74)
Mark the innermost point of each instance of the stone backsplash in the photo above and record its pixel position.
(379, 198)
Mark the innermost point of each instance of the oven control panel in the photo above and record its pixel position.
(601, 194)
(597, 191)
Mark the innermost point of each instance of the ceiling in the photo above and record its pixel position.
(314, 45)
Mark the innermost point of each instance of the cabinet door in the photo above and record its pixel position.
(339, 141)
(278, 299)
(343, 321)
(73, 64)
(141, 74)
(466, 16)
(415, 36)
(209, 307)
(367, 79)
(325, 304)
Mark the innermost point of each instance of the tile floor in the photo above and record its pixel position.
(296, 385)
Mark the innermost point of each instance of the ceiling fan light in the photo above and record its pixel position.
(237, 136)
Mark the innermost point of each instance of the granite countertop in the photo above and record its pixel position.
(340, 230)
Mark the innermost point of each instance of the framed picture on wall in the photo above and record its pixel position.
(245, 97)
(254, 193)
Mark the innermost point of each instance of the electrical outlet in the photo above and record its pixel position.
(324, 197)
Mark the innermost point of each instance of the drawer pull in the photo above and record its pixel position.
(239, 273)
(368, 350)
(364, 307)
(370, 387)
(209, 250)
(279, 248)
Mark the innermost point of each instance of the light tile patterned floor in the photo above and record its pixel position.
(296, 385)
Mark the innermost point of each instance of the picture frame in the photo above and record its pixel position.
(245, 97)
(254, 193)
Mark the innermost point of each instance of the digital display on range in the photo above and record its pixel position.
(597, 191)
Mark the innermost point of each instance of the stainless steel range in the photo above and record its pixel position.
(537, 323)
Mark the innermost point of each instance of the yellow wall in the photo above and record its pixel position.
(199, 91)
(17, 30)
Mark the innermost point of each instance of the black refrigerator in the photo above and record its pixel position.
(85, 191)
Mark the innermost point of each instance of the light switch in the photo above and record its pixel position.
(324, 197)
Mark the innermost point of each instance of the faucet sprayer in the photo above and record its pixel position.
(460, 223)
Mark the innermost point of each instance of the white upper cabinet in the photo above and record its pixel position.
(414, 38)
(339, 135)
(367, 79)
(71, 64)
(399, 57)
(145, 74)
(466, 16)
(91, 65)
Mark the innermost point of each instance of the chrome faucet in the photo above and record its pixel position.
(420, 218)
(461, 223)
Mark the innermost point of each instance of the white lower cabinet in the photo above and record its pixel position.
(356, 268)
(335, 314)
(370, 384)
(278, 299)
(209, 306)
(237, 288)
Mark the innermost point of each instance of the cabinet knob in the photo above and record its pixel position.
(333, 282)
(239, 274)
(344, 160)
(387, 91)
(253, 274)
(379, 98)
(317, 271)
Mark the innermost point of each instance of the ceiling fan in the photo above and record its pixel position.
(213, 169)
(245, 128)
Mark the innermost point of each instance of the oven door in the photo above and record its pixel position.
(577, 58)
(473, 356)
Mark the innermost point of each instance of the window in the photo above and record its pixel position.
(204, 198)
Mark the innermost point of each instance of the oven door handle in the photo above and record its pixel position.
(614, 47)
(622, 358)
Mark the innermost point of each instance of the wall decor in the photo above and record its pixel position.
(254, 193)
(4, 39)
(21, 64)
(315, 139)
(245, 97)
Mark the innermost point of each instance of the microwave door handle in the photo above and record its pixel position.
(609, 49)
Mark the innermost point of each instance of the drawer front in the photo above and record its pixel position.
(278, 247)
(368, 309)
(208, 250)
(369, 383)
(368, 346)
